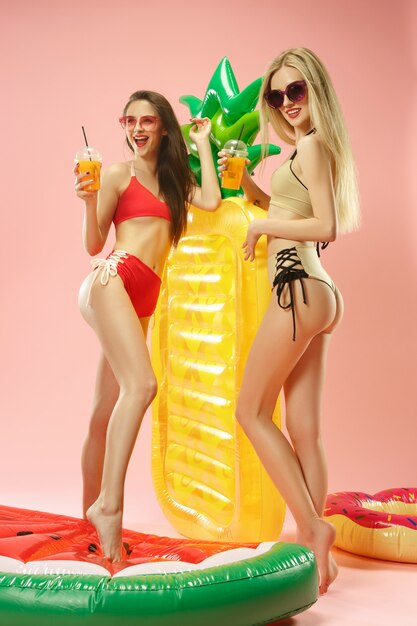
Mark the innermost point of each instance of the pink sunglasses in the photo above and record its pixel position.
(147, 122)
(295, 92)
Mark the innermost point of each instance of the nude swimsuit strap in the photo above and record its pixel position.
(323, 244)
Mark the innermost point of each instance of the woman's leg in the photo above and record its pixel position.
(272, 358)
(105, 397)
(303, 392)
(119, 330)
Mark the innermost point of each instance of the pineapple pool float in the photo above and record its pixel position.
(208, 478)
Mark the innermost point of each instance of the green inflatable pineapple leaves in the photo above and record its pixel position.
(228, 109)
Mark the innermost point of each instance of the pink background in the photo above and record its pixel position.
(73, 64)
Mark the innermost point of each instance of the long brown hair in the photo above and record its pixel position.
(175, 178)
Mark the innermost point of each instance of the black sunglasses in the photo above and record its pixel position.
(295, 92)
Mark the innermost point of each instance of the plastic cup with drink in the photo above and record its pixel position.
(89, 160)
(236, 153)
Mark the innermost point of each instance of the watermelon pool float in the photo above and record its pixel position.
(52, 571)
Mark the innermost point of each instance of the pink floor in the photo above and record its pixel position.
(367, 592)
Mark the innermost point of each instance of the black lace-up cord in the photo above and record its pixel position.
(324, 245)
(287, 274)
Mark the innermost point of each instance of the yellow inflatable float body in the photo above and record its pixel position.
(209, 481)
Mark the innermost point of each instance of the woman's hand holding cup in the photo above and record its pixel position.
(81, 182)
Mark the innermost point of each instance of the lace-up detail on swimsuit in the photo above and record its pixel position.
(108, 266)
(108, 269)
(141, 283)
(288, 269)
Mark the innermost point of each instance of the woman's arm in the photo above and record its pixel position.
(99, 209)
(253, 193)
(316, 169)
(207, 196)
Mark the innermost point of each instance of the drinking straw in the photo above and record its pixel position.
(86, 142)
(240, 134)
(238, 139)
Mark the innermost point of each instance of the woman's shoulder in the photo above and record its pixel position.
(311, 139)
(313, 146)
(117, 174)
(118, 169)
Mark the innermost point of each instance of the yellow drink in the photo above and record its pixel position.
(232, 175)
(94, 168)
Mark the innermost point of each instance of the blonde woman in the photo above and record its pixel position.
(313, 198)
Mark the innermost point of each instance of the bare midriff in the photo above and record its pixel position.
(148, 238)
(276, 244)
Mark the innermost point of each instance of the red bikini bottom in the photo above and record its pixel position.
(139, 280)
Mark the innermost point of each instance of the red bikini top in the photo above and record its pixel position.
(138, 201)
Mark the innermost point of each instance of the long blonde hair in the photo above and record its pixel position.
(326, 117)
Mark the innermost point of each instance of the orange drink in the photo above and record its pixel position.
(232, 175)
(94, 169)
(89, 160)
(236, 153)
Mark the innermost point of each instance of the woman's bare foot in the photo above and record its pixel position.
(108, 525)
(333, 568)
(320, 542)
(332, 565)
